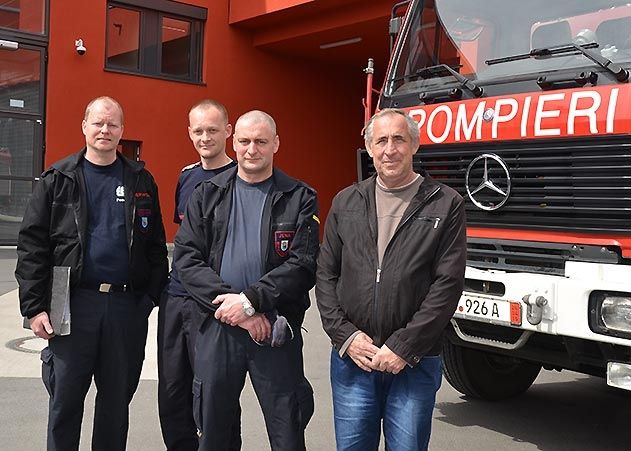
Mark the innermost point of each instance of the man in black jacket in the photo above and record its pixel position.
(246, 253)
(390, 273)
(97, 213)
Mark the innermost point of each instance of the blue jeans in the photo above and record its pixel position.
(404, 402)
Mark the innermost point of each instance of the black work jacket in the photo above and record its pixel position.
(53, 232)
(407, 301)
(289, 243)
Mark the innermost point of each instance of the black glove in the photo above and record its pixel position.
(280, 326)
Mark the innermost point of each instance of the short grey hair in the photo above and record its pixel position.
(410, 122)
(256, 116)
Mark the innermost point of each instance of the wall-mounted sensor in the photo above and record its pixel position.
(80, 47)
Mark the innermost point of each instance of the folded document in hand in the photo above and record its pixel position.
(59, 311)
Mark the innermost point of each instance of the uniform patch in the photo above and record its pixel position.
(282, 242)
(144, 214)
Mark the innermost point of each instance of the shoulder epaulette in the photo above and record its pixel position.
(190, 166)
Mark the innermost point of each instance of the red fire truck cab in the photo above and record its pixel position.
(525, 109)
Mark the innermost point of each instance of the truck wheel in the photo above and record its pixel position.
(485, 375)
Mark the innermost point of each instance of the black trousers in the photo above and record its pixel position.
(179, 319)
(107, 342)
(223, 356)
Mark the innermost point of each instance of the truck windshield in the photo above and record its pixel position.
(466, 34)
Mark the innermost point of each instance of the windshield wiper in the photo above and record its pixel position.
(618, 72)
(438, 71)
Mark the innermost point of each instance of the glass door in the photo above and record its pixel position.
(21, 130)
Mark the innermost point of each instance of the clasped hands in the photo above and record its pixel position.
(369, 357)
(230, 311)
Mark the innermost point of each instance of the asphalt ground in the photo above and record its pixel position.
(562, 411)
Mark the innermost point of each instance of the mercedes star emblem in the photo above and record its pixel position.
(488, 182)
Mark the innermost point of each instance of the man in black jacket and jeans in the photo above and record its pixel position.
(390, 273)
(97, 213)
(246, 253)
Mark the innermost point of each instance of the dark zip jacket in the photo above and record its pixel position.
(408, 301)
(53, 232)
(289, 242)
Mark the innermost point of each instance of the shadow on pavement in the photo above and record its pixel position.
(585, 414)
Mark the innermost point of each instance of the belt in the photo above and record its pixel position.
(106, 287)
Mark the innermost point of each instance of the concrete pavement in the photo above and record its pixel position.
(23, 407)
(561, 412)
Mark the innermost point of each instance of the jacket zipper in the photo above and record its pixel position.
(275, 198)
(308, 239)
(374, 298)
(407, 218)
(76, 221)
(378, 277)
(428, 219)
(76, 206)
(399, 227)
(133, 220)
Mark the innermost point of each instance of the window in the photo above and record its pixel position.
(130, 148)
(28, 16)
(157, 38)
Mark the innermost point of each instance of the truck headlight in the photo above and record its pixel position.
(610, 313)
(615, 313)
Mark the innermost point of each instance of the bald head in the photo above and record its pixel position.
(255, 142)
(257, 117)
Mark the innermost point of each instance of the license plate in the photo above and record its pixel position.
(489, 310)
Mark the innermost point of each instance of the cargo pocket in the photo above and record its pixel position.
(48, 373)
(197, 405)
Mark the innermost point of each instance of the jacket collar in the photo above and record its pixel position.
(68, 165)
(282, 182)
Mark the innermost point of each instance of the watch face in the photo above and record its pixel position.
(248, 309)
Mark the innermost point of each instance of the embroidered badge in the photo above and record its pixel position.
(144, 214)
(282, 242)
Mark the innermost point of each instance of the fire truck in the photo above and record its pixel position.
(524, 107)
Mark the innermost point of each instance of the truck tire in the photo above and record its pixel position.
(485, 375)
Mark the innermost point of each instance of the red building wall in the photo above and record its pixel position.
(317, 106)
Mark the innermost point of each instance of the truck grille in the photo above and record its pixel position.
(580, 184)
(525, 256)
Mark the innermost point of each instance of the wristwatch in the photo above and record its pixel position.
(247, 305)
